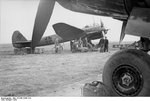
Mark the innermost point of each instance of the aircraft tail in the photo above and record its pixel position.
(19, 41)
(18, 37)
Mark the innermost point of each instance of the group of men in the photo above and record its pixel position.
(86, 45)
(80, 45)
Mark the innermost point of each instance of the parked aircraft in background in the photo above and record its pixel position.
(64, 33)
(127, 72)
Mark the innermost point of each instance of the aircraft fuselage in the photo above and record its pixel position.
(19, 41)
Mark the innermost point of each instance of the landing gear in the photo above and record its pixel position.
(127, 73)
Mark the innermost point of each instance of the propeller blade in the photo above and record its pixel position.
(122, 32)
(43, 15)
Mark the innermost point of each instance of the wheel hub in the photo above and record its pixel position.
(127, 80)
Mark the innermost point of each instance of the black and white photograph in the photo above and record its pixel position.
(74, 48)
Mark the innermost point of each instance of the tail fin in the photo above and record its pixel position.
(18, 37)
(19, 41)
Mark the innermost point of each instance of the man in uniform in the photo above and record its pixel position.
(106, 42)
(101, 43)
(75, 46)
(71, 45)
(90, 47)
(57, 45)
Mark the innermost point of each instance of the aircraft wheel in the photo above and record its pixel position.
(127, 73)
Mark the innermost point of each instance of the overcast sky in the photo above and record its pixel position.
(20, 15)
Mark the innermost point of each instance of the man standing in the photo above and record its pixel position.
(58, 46)
(106, 43)
(71, 45)
(75, 46)
(102, 45)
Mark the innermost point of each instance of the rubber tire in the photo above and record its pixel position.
(135, 58)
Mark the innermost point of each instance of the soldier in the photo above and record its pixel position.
(84, 42)
(75, 46)
(101, 43)
(106, 42)
(71, 45)
(90, 47)
(57, 45)
(80, 42)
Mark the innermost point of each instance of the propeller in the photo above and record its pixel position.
(101, 22)
(103, 27)
(43, 15)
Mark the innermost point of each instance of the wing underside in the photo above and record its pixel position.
(139, 22)
(67, 32)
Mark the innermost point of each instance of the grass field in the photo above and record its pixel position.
(49, 74)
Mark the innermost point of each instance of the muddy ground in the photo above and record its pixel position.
(49, 74)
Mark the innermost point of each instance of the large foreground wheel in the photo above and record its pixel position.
(127, 73)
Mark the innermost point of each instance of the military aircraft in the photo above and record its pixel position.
(64, 33)
(127, 72)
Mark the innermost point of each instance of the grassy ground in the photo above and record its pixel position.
(49, 74)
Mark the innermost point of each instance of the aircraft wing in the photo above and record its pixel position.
(112, 8)
(68, 32)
